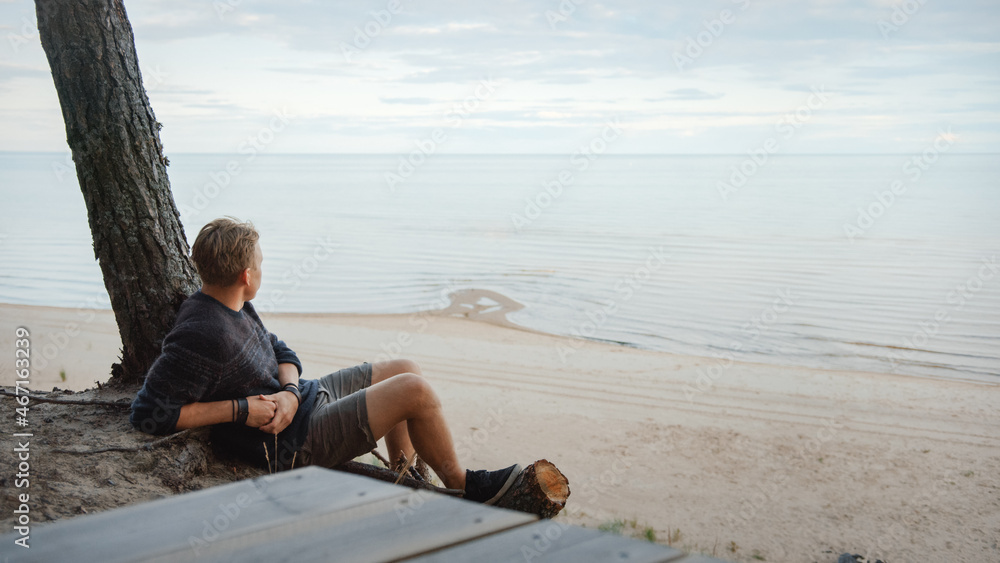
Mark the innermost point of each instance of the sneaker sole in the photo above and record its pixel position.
(507, 485)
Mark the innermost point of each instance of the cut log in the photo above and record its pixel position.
(539, 489)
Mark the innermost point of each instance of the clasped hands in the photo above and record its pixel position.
(272, 413)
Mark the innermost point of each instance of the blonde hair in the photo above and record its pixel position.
(224, 248)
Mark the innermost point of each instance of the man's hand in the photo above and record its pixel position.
(286, 406)
(262, 411)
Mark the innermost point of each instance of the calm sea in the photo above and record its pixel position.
(877, 263)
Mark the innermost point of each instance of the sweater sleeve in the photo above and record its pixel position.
(154, 412)
(179, 376)
(283, 353)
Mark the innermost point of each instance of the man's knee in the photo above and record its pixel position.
(418, 392)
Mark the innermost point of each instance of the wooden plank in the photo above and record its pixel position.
(551, 542)
(425, 522)
(191, 522)
(315, 514)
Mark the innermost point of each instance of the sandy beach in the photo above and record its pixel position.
(746, 462)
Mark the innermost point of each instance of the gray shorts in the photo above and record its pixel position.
(338, 428)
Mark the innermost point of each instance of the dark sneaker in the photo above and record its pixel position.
(488, 486)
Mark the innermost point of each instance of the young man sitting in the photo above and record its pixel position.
(219, 366)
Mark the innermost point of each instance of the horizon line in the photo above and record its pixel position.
(403, 154)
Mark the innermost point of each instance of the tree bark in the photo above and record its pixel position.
(114, 137)
(540, 489)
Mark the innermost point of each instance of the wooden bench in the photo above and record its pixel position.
(315, 514)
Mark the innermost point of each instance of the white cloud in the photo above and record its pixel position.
(222, 69)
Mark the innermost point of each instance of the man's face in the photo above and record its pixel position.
(255, 273)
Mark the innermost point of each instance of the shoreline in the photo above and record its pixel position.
(64, 322)
(776, 461)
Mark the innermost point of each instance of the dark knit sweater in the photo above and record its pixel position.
(212, 354)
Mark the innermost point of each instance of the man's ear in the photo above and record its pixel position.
(245, 277)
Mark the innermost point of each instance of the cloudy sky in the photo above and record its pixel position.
(536, 76)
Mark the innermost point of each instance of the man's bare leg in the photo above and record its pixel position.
(406, 405)
(397, 439)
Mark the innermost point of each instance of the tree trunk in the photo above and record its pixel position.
(115, 140)
(540, 489)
